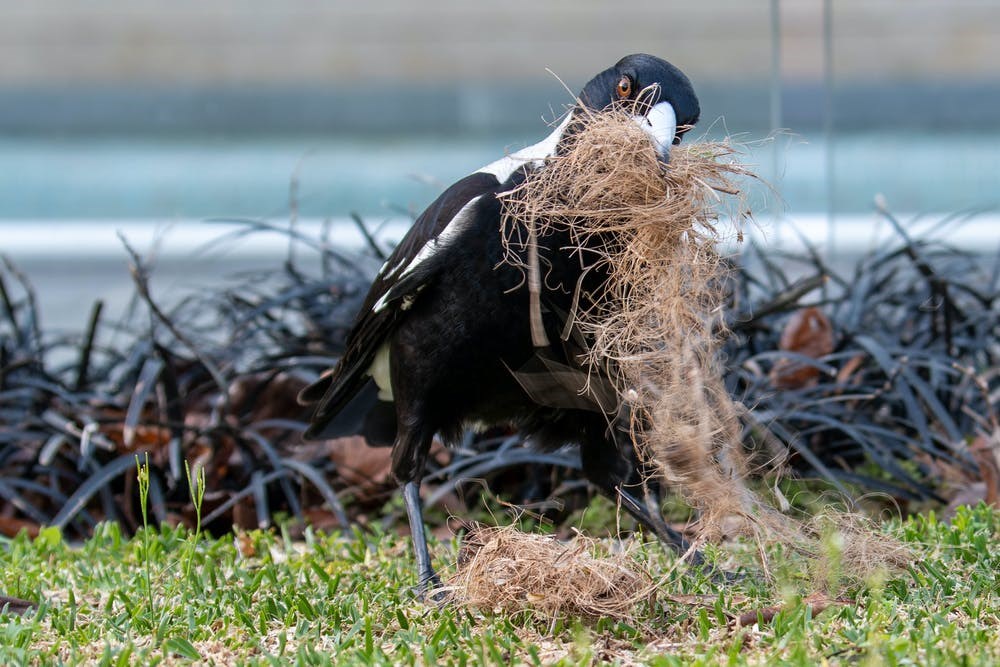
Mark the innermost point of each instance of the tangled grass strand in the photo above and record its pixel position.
(655, 324)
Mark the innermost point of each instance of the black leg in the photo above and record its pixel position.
(611, 466)
(653, 521)
(409, 454)
(653, 505)
(427, 578)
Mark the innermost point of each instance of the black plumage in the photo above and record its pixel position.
(443, 338)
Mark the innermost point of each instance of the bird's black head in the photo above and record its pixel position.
(658, 94)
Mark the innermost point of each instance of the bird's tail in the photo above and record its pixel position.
(344, 411)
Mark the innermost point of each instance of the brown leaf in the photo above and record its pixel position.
(245, 514)
(970, 494)
(368, 470)
(986, 452)
(9, 527)
(849, 368)
(263, 396)
(321, 518)
(214, 453)
(809, 333)
(245, 544)
(148, 436)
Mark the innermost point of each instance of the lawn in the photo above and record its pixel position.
(169, 596)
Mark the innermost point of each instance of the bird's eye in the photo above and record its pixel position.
(625, 87)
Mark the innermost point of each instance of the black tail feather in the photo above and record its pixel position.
(364, 413)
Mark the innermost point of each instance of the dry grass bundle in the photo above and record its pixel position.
(853, 551)
(504, 569)
(652, 325)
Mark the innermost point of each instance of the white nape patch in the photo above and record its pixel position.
(660, 123)
(379, 371)
(535, 154)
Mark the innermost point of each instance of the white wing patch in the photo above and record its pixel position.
(456, 226)
(451, 231)
(534, 154)
(501, 169)
(380, 372)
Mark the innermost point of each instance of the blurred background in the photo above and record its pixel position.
(149, 118)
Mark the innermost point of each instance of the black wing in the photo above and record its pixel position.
(382, 307)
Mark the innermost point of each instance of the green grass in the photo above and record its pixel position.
(263, 599)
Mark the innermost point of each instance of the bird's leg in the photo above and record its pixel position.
(653, 506)
(409, 455)
(606, 467)
(427, 578)
(653, 520)
(653, 503)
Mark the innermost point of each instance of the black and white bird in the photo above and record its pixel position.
(443, 339)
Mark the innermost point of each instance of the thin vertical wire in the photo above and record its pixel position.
(776, 112)
(828, 122)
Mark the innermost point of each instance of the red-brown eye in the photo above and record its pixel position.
(625, 87)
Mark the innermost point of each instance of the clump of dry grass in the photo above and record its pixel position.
(853, 551)
(506, 570)
(653, 324)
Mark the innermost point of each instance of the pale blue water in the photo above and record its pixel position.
(192, 177)
(197, 177)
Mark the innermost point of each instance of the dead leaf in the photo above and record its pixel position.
(366, 470)
(245, 544)
(971, 488)
(849, 368)
(263, 396)
(986, 452)
(10, 527)
(245, 514)
(971, 494)
(809, 333)
(321, 518)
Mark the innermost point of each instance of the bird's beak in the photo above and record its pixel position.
(660, 123)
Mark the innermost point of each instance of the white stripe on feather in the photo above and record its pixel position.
(451, 231)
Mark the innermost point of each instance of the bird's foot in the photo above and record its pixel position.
(714, 574)
(429, 589)
(727, 578)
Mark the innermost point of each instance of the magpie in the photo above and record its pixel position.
(443, 339)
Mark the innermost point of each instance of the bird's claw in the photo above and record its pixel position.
(430, 590)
